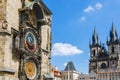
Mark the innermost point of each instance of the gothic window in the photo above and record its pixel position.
(113, 50)
(38, 11)
(103, 66)
(48, 37)
(93, 52)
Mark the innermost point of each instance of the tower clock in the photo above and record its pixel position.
(30, 41)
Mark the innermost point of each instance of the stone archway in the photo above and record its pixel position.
(38, 11)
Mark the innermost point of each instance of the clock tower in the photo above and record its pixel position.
(25, 40)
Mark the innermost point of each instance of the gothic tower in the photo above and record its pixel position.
(95, 48)
(25, 40)
(102, 61)
(113, 48)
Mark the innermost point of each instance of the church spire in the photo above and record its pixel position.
(113, 33)
(94, 37)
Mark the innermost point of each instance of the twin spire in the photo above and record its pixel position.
(113, 35)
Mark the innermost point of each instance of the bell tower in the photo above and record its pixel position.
(113, 48)
(94, 52)
(25, 40)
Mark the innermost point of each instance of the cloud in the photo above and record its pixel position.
(65, 49)
(98, 6)
(82, 19)
(65, 64)
(89, 9)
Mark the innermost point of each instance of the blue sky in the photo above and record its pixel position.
(72, 28)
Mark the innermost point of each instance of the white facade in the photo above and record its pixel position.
(57, 78)
(70, 75)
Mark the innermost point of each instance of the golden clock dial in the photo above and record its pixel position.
(30, 70)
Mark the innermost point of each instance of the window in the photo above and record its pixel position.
(113, 50)
(103, 66)
(93, 52)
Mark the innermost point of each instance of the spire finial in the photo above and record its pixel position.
(95, 37)
(113, 33)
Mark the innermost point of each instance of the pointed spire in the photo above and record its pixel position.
(113, 33)
(95, 37)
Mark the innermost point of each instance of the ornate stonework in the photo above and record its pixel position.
(102, 58)
(25, 39)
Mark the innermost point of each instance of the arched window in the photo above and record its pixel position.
(103, 66)
(93, 52)
(38, 11)
(113, 50)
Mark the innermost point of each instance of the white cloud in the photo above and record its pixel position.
(82, 19)
(65, 49)
(98, 5)
(89, 9)
(65, 64)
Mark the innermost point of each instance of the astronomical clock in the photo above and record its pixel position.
(25, 32)
(30, 42)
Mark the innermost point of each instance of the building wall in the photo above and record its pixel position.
(57, 78)
(12, 13)
(109, 75)
(11, 68)
(46, 53)
(9, 18)
(73, 75)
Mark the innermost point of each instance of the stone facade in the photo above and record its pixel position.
(25, 40)
(91, 76)
(105, 61)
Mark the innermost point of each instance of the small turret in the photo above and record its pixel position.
(94, 38)
(95, 48)
(113, 36)
(95, 41)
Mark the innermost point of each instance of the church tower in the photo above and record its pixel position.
(25, 40)
(113, 48)
(95, 48)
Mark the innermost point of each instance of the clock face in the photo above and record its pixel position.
(30, 70)
(30, 41)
